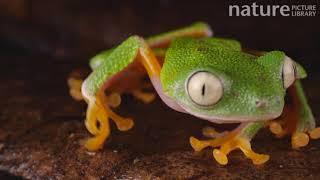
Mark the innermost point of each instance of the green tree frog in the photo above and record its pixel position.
(211, 78)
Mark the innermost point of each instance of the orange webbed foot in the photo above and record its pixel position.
(226, 146)
(97, 122)
(298, 138)
(225, 142)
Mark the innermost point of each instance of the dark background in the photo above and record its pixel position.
(80, 28)
(41, 42)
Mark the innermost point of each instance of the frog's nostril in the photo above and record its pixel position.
(261, 103)
(278, 99)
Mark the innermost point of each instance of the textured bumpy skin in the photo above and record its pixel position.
(246, 78)
(98, 59)
(121, 57)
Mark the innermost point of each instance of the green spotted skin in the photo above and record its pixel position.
(246, 78)
(97, 60)
(112, 63)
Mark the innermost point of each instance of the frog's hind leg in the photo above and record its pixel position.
(297, 119)
(145, 97)
(75, 88)
(196, 30)
(74, 82)
(237, 139)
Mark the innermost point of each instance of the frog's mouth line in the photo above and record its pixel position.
(231, 119)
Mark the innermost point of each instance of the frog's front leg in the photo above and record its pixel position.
(297, 119)
(237, 139)
(133, 50)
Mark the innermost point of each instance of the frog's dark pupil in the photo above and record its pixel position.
(203, 89)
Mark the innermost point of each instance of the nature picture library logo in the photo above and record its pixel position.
(255, 9)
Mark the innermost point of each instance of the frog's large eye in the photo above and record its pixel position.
(204, 88)
(288, 72)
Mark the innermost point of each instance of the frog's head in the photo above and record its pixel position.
(223, 84)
